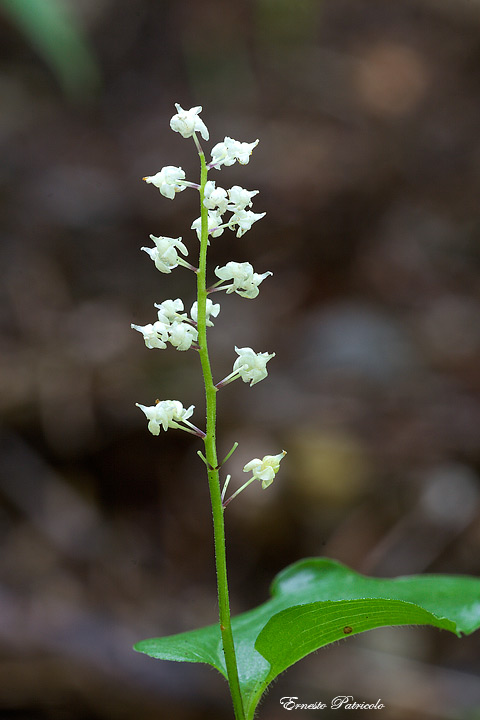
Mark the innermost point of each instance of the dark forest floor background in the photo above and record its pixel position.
(368, 115)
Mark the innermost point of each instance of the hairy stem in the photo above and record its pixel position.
(211, 457)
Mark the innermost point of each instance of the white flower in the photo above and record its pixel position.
(169, 310)
(166, 413)
(168, 180)
(223, 153)
(182, 335)
(155, 336)
(245, 280)
(169, 327)
(211, 310)
(215, 197)
(165, 255)
(251, 366)
(186, 122)
(244, 219)
(214, 224)
(230, 150)
(265, 469)
(243, 151)
(240, 198)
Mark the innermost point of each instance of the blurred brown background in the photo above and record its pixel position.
(368, 115)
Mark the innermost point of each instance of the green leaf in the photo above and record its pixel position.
(315, 602)
(53, 31)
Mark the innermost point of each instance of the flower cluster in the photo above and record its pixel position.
(171, 179)
(236, 200)
(173, 325)
(230, 151)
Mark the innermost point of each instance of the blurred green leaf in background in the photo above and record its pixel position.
(54, 32)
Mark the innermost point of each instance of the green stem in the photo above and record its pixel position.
(211, 457)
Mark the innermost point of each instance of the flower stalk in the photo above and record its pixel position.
(211, 457)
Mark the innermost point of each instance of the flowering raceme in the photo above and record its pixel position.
(221, 209)
(173, 325)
